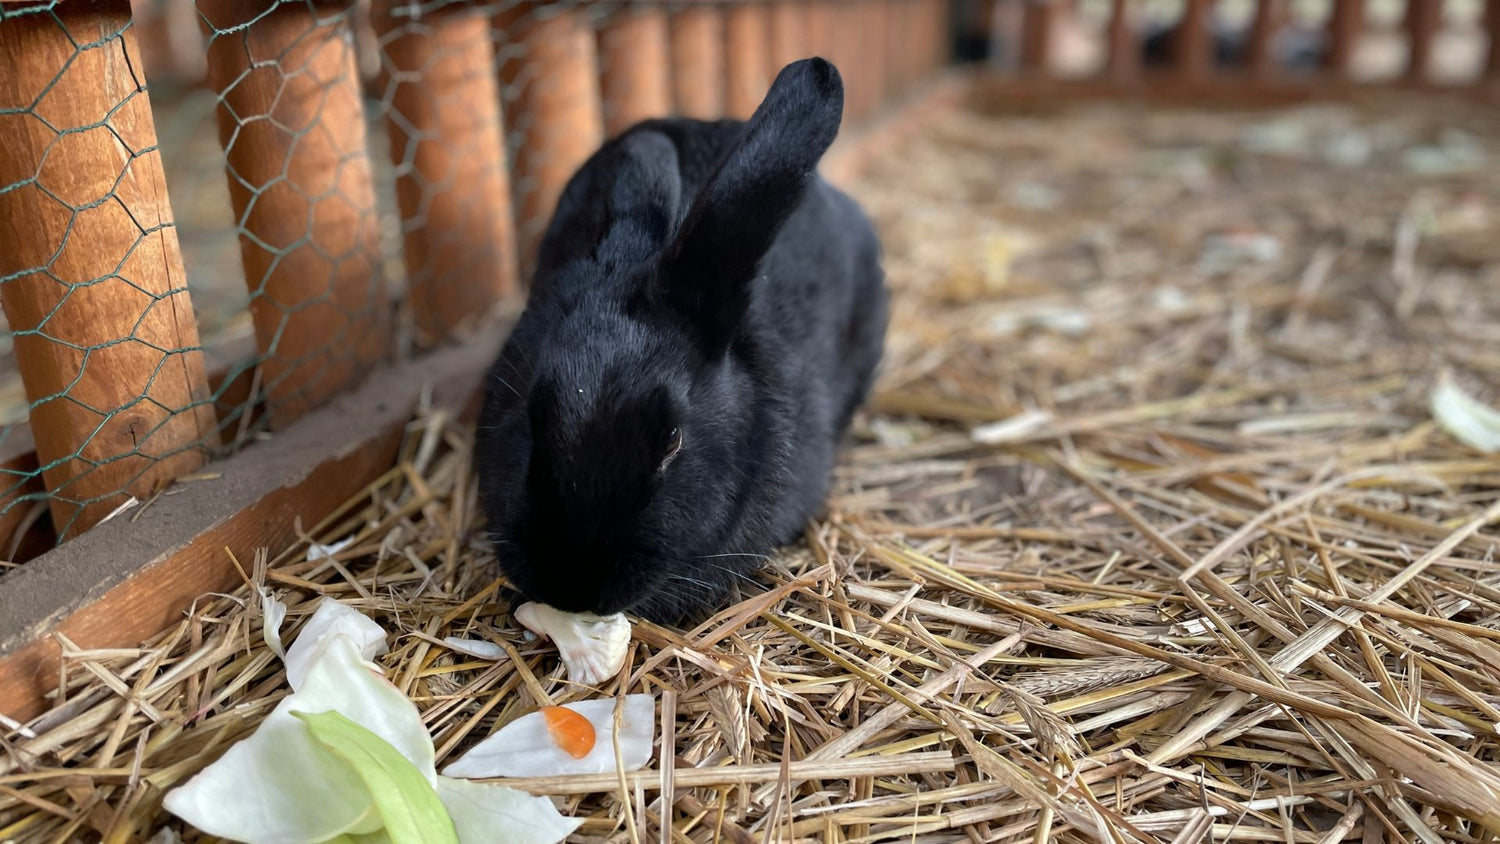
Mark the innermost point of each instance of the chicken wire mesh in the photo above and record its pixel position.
(349, 182)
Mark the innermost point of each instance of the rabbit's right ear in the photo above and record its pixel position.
(706, 273)
(643, 199)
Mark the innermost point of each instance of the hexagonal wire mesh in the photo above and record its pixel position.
(382, 175)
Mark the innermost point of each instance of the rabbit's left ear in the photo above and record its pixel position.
(707, 271)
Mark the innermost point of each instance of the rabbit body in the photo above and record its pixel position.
(706, 316)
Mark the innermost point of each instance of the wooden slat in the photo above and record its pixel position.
(1124, 62)
(1492, 28)
(1260, 56)
(1424, 20)
(788, 33)
(171, 43)
(747, 65)
(1345, 26)
(1037, 35)
(635, 67)
(697, 34)
(448, 149)
(292, 127)
(1222, 92)
(552, 82)
(1193, 43)
(127, 580)
(95, 294)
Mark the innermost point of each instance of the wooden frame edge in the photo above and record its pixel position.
(128, 579)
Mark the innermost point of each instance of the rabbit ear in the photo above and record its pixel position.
(643, 199)
(706, 274)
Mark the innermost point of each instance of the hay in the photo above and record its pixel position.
(1214, 575)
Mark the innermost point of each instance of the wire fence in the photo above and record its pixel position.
(349, 183)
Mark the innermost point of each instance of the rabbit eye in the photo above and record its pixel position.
(674, 445)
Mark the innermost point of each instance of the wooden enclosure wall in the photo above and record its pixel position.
(1193, 62)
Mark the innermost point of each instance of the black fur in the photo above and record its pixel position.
(696, 276)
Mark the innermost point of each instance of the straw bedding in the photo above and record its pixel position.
(1148, 534)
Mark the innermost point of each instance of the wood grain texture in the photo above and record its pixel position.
(124, 582)
(448, 148)
(96, 294)
(747, 64)
(697, 34)
(292, 126)
(635, 67)
(552, 97)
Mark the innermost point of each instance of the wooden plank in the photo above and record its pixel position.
(1037, 30)
(635, 68)
(1345, 26)
(448, 149)
(1221, 92)
(292, 127)
(1424, 21)
(697, 34)
(95, 294)
(1193, 42)
(1492, 28)
(552, 89)
(123, 582)
(171, 43)
(1260, 56)
(788, 32)
(1124, 61)
(747, 64)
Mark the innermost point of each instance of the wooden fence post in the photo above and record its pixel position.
(1124, 61)
(448, 148)
(747, 71)
(788, 33)
(293, 131)
(1492, 26)
(1193, 43)
(1261, 51)
(1345, 26)
(91, 275)
(635, 69)
(1424, 21)
(875, 34)
(698, 61)
(171, 42)
(552, 91)
(1036, 35)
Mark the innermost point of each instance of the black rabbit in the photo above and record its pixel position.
(706, 315)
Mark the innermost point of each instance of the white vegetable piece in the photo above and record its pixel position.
(331, 620)
(273, 613)
(593, 647)
(525, 748)
(280, 785)
(494, 814)
(477, 648)
(1467, 419)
